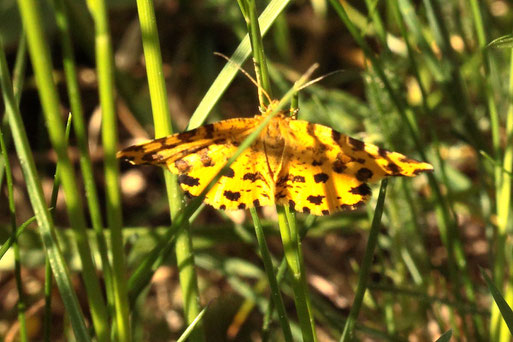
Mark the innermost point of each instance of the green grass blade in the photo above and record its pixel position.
(446, 336)
(105, 73)
(8, 243)
(505, 309)
(273, 282)
(79, 126)
(192, 325)
(39, 206)
(162, 122)
(363, 277)
(17, 264)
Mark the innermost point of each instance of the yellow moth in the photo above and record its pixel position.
(310, 167)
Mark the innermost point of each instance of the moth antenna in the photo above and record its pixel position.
(245, 73)
(320, 78)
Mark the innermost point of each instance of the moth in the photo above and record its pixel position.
(310, 167)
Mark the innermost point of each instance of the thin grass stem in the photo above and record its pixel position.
(277, 300)
(363, 277)
(17, 263)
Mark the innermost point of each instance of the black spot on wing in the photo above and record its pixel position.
(186, 136)
(338, 166)
(363, 174)
(242, 206)
(252, 176)
(256, 203)
(134, 148)
(325, 212)
(229, 173)
(317, 163)
(394, 168)
(382, 152)
(335, 136)
(321, 178)
(188, 180)
(209, 131)
(362, 190)
(222, 207)
(306, 210)
(232, 195)
(292, 204)
(357, 144)
(315, 199)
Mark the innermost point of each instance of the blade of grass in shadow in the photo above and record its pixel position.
(363, 277)
(41, 63)
(446, 337)
(225, 77)
(47, 321)
(105, 73)
(8, 243)
(162, 122)
(142, 274)
(18, 80)
(39, 206)
(17, 265)
(273, 283)
(79, 127)
(502, 304)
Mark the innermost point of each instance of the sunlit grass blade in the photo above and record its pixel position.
(192, 325)
(504, 42)
(162, 122)
(365, 269)
(505, 309)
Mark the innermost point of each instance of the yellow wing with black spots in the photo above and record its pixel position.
(326, 171)
(198, 155)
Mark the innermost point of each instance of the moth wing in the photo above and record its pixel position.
(166, 150)
(196, 156)
(326, 171)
